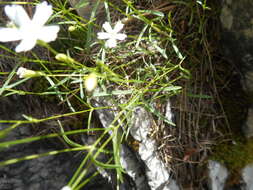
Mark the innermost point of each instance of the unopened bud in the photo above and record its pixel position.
(90, 82)
(72, 28)
(64, 58)
(27, 73)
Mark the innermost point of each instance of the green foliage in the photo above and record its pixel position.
(143, 69)
(235, 155)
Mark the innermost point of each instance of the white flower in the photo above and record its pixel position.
(28, 30)
(112, 34)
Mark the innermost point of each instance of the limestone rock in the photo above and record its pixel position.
(217, 174)
(247, 175)
(237, 40)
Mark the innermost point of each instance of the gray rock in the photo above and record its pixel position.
(248, 126)
(154, 175)
(158, 176)
(237, 40)
(128, 159)
(48, 172)
(36, 173)
(247, 175)
(217, 174)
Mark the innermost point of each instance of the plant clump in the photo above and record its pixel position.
(139, 53)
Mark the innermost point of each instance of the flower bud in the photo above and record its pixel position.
(26, 73)
(72, 28)
(64, 58)
(90, 82)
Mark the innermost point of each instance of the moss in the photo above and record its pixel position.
(234, 155)
(236, 151)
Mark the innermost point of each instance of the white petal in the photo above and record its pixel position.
(121, 36)
(48, 33)
(17, 14)
(26, 44)
(21, 71)
(9, 34)
(103, 35)
(10, 11)
(107, 27)
(118, 27)
(111, 43)
(42, 13)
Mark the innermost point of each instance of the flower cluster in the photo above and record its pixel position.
(28, 31)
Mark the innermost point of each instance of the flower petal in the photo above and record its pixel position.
(118, 27)
(107, 27)
(48, 33)
(103, 35)
(26, 44)
(9, 34)
(111, 43)
(21, 71)
(42, 13)
(121, 36)
(17, 14)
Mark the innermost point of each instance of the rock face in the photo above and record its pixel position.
(145, 169)
(237, 41)
(50, 172)
(217, 174)
(247, 175)
(237, 38)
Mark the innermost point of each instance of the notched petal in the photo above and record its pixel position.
(17, 14)
(42, 13)
(107, 27)
(118, 27)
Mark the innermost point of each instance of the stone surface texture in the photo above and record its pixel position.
(247, 175)
(49, 172)
(158, 176)
(144, 167)
(218, 175)
(44, 173)
(237, 40)
(129, 160)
